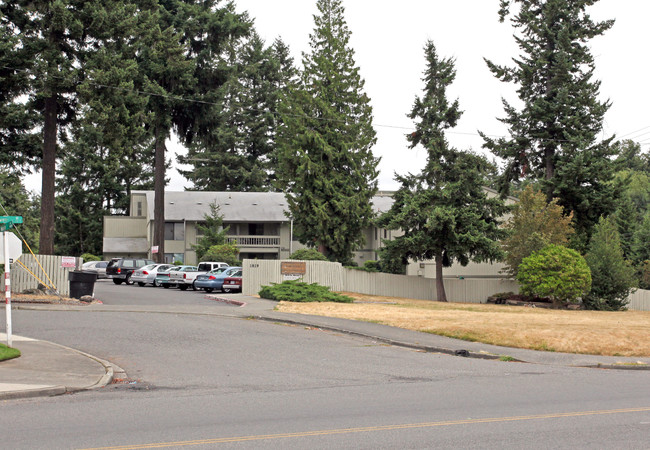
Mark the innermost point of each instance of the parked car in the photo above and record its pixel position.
(180, 277)
(162, 277)
(99, 267)
(214, 280)
(147, 274)
(188, 277)
(207, 266)
(233, 283)
(120, 270)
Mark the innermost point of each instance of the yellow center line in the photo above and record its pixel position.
(370, 429)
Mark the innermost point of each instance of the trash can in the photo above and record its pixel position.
(81, 283)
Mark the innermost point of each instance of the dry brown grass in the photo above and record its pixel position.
(591, 332)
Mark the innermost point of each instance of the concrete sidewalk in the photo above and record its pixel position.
(46, 368)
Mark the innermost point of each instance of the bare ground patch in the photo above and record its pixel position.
(625, 333)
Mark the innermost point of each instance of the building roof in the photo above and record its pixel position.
(235, 206)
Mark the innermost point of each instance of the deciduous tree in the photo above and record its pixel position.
(534, 224)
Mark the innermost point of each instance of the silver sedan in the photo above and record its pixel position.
(147, 274)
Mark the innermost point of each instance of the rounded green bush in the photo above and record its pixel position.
(308, 254)
(556, 272)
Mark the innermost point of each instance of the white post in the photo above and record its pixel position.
(7, 286)
(291, 237)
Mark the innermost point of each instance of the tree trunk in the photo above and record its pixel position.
(46, 242)
(159, 194)
(440, 287)
(549, 156)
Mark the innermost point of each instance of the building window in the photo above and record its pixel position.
(139, 209)
(174, 231)
(256, 229)
(171, 258)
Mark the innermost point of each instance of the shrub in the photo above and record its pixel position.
(90, 257)
(308, 254)
(368, 266)
(299, 291)
(556, 272)
(228, 253)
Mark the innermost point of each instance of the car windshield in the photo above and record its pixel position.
(149, 267)
(237, 274)
(232, 271)
(219, 270)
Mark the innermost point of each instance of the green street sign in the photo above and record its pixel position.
(7, 222)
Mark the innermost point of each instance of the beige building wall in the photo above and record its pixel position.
(125, 227)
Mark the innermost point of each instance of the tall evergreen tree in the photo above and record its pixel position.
(554, 135)
(20, 145)
(185, 60)
(325, 160)
(53, 38)
(235, 153)
(444, 212)
(110, 152)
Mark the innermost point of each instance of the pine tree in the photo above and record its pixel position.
(613, 277)
(553, 136)
(444, 212)
(212, 232)
(325, 160)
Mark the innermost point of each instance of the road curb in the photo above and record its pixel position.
(111, 372)
(442, 350)
(426, 348)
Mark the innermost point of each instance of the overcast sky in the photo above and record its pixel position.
(388, 39)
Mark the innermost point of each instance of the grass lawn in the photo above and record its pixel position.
(8, 352)
(624, 333)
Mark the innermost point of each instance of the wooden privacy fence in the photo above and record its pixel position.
(639, 300)
(22, 279)
(258, 273)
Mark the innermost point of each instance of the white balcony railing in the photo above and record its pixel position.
(255, 241)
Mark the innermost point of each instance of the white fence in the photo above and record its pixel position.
(263, 272)
(639, 300)
(469, 290)
(22, 279)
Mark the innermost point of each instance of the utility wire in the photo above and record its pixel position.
(206, 102)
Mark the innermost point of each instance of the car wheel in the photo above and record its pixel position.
(155, 283)
(166, 286)
(140, 283)
(194, 288)
(208, 290)
(116, 281)
(128, 279)
(182, 287)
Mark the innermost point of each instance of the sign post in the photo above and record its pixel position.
(6, 222)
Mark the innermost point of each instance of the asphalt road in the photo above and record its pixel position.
(215, 381)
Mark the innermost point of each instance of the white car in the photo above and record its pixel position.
(147, 274)
(99, 267)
